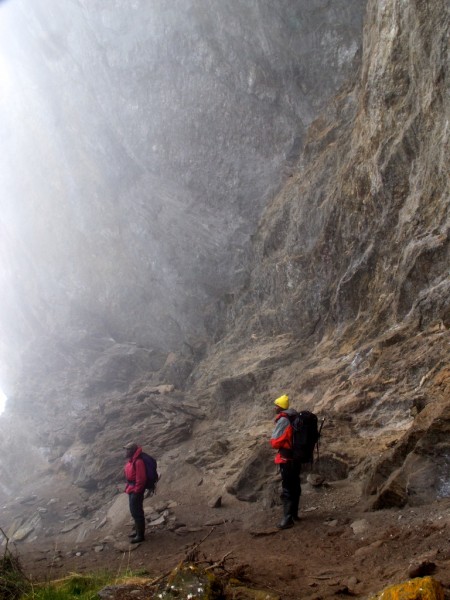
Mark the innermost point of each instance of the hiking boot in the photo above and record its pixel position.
(137, 539)
(140, 532)
(286, 522)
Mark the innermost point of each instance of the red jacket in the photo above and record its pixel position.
(282, 436)
(135, 474)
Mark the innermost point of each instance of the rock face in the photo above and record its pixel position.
(347, 306)
(344, 306)
(404, 475)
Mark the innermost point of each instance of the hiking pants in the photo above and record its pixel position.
(290, 486)
(136, 502)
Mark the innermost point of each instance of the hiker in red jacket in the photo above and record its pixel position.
(136, 476)
(281, 440)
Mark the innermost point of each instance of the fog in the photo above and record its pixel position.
(2, 402)
(141, 142)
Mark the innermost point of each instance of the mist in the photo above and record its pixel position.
(146, 139)
(2, 402)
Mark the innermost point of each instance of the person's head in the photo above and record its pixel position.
(281, 403)
(130, 449)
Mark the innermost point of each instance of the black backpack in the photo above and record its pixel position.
(306, 434)
(151, 468)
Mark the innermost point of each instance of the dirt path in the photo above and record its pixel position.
(336, 549)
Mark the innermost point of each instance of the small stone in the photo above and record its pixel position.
(165, 389)
(332, 523)
(359, 526)
(159, 521)
(22, 532)
(215, 502)
(153, 516)
(69, 527)
(367, 550)
(315, 480)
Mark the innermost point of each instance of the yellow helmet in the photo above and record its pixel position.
(282, 402)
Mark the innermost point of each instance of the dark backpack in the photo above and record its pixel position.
(151, 468)
(305, 436)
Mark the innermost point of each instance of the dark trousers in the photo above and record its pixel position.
(136, 502)
(290, 486)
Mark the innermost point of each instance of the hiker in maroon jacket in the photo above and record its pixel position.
(136, 476)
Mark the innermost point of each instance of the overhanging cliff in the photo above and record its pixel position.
(343, 303)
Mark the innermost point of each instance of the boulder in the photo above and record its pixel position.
(425, 588)
(415, 471)
(251, 482)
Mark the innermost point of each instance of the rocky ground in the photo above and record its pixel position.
(219, 490)
(336, 549)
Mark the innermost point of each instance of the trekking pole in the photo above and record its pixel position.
(318, 439)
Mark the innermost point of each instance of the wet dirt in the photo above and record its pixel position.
(336, 549)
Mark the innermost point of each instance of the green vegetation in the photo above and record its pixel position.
(13, 583)
(75, 586)
(204, 579)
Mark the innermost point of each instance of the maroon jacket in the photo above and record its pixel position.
(135, 474)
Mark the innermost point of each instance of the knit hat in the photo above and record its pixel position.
(131, 446)
(282, 402)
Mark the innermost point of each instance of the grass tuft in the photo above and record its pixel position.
(13, 582)
(72, 587)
